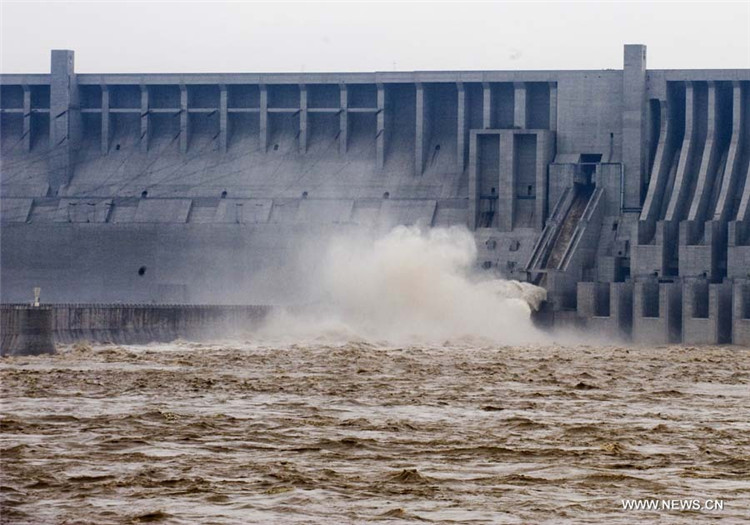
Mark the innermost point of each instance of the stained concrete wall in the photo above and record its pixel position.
(135, 324)
(590, 108)
(221, 262)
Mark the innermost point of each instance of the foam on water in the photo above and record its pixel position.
(410, 285)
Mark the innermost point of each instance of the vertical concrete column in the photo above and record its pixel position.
(486, 105)
(223, 118)
(26, 118)
(63, 105)
(585, 299)
(473, 183)
(105, 119)
(462, 127)
(380, 132)
(553, 106)
(740, 320)
(709, 160)
(661, 167)
(679, 191)
(506, 206)
(343, 118)
(519, 109)
(303, 118)
(144, 118)
(183, 118)
(263, 118)
(731, 171)
(420, 132)
(634, 120)
(543, 157)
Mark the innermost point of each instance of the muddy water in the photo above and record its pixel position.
(236, 433)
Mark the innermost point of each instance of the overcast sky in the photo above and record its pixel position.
(132, 37)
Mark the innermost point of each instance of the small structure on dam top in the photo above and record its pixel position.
(624, 192)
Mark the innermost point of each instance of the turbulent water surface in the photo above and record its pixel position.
(345, 433)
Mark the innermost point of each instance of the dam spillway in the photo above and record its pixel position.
(623, 192)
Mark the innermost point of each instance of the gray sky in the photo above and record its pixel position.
(133, 37)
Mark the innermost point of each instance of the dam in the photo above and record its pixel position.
(623, 192)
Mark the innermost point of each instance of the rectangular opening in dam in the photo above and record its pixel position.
(125, 130)
(503, 105)
(159, 97)
(241, 96)
(745, 301)
(525, 179)
(442, 131)
(90, 97)
(362, 95)
(243, 130)
(488, 148)
(324, 96)
(602, 300)
(650, 299)
(284, 96)
(40, 97)
(283, 132)
(474, 103)
(323, 130)
(654, 129)
(127, 97)
(537, 105)
(163, 130)
(401, 116)
(11, 97)
(700, 297)
(204, 130)
(203, 96)
(362, 131)
(11, 129)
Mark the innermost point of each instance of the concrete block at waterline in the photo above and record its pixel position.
(27, 331)
(741, 313)
(606, 309)
(657, 312)
(706, 312)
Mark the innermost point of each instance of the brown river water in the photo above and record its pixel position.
(349, 433)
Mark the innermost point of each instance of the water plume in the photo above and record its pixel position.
(411, 285)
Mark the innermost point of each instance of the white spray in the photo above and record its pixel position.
(410, 286)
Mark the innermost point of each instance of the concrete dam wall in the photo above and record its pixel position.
(624, 192)
(128, 324)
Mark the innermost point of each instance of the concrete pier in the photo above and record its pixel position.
(741, 313)
(706, 312)
(606, 309)
(657, 312)
(27, 330)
